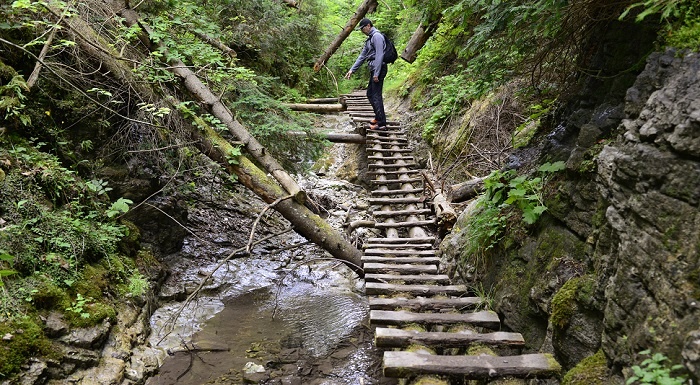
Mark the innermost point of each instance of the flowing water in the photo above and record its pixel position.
(296, 318)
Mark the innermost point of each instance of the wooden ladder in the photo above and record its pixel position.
(411, 303)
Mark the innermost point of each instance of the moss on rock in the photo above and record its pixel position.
(592, 370)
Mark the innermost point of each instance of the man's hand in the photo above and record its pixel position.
(347, 75)
(376, 79)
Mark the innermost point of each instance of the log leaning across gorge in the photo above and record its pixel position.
(211, 144)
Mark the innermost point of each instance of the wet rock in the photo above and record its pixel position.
(35, 375)
(91, 337)
(255, 378)
(55, 326)
(691, 353)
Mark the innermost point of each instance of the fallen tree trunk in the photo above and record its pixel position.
(367, 6)
(317, 108)
(323, 101)
(464, 191)
(418, 39)
(335, 137)
(211, 144)
(220, 111)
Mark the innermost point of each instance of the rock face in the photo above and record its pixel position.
(614, 266)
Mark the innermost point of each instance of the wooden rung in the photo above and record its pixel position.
(392, 268)
(385, 278)
(395, 181)
(398, 253)
(393, 213)
(393, 158)
(403, 364)
(397, 246)
(404, 224)
(389, 150)
(374, 288)
(377, 165)
(401, 260)
(391, 131)
(383, 172)
(398, 338)
(486, 318)
(401, 240)
(397, 192)
(386, 141)
(388, 201)
(425, 304)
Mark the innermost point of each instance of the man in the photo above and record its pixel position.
(373, 53)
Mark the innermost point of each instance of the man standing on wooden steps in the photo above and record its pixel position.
(373, 53)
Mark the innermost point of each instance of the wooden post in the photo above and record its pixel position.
(317, 108)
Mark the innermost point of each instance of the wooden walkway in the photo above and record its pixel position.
(425, 324)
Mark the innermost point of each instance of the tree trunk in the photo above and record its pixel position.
(467, 190)
(317, 108)
(306, 223)
(335, 137)
(366, 6)
(418, 40)
(220, 111)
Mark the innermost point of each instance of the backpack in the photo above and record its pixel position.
(390, 54)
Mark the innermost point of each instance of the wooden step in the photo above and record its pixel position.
(422, 278)
(397, 192)
(393, 213)
(405, 269)
(388, 150)
(377, 165)
(374, 288)
(392, 158)
(486, 318)
(399, 246)
(401, 241)
(392, 173)
(404, 364)
(398, 338)
(388, 201)
(398, 253)
(385, 141)
(395, 181)
(429, 222)
(401, 260)
(425, 304)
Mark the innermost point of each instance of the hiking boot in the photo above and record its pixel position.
(377, 127)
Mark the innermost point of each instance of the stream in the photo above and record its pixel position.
(277, 317)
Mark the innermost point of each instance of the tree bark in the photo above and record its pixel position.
(317, 108)
(418, 39)
(211, 144)
(367, 6)
(216, 43)
(335, 137)
(467, 190)
(291, 3)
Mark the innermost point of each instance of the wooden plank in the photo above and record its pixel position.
(425, 304)
(401, 260)
(406, 268)
(401, 240)
(397, 192)
(374, 288)
(388, 201)
(403, 364)
(392, 173)
(392, 213)
(397, 246)
(390, 150)
(404, 224)
(423, 278)
(377, 165)
(398, 338)
(398, 253)
(486, 318)
(395, 181)
(393, 158)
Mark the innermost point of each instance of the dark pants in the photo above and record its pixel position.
(374, 94)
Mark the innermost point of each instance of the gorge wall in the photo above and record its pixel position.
(613, 268)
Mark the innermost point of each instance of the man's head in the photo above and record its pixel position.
(365, 25)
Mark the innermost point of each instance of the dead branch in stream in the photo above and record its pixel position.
(239, 253)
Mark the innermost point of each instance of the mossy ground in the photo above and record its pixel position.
(592, 370)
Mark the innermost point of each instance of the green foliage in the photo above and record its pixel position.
(5, 259)
(686, 35)
(79, 306)
(655, 370)
(12, 100)
(508, 189)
